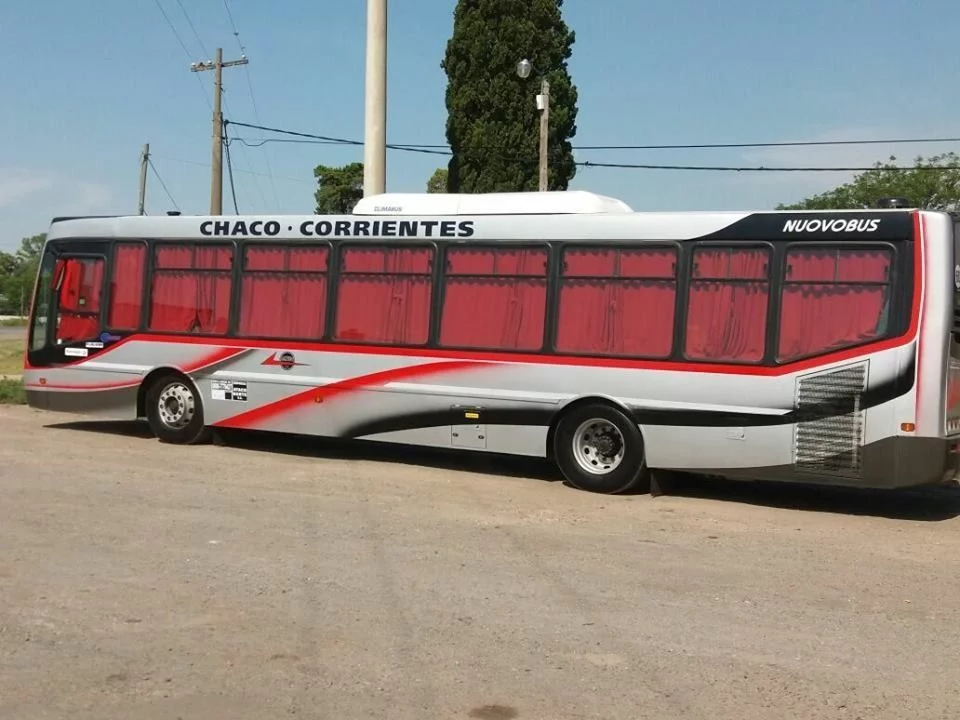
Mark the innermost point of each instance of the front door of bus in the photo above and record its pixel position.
(69, 308)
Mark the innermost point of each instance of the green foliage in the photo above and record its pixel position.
(932, 184)
(12, 392)
(493, 122)
(438, 181)
(17, 274)
(340, 188)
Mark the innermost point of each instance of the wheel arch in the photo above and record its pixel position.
(152, 377)
(579, 402)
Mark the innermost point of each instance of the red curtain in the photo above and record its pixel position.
(828, 265)
(617, 317)
(822, 308)
(727, 321)
(494, 298)
(284, 292)
(609, 307)
(126, 287)
(384, 295)
(819, 318)
(80, 292)
(727, 315)
(190, 291)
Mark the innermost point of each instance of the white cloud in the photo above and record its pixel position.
(17, 184)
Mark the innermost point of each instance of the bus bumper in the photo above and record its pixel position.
(918, 461)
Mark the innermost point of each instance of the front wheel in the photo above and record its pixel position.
(599, 449)
(175, 411)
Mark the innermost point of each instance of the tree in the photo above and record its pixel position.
(438, 181)
(492, 119)
(340, 188)
(17, 273)
(932, 184)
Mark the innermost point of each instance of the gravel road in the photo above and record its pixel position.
(323, 580)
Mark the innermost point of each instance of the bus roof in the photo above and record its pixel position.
(565, 202)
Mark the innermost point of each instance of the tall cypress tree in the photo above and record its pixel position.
(493, 123)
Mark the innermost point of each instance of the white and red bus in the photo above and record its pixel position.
(800, 346)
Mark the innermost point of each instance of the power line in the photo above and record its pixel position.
(253, 100)
(687, 146)
(186, 52)
(325, 139)
(243, 172)
(760, 168)
(162, 183)
(233, 189)
(193, 28)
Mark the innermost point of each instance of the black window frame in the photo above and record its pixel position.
(689, 280)
(548, 277)
(333, 298)
(557, 280)
(899, 301)
(153, 270)
(242, 271)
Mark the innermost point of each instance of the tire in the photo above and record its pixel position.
(175, 411)
(598, 448)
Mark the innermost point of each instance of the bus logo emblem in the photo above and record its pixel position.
(284, 360)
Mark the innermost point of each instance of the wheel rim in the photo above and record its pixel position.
(598, 446)
(175, 406)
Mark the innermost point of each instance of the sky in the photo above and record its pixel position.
(87, 82)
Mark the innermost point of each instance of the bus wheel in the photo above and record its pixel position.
(175, 411)
(599, 449)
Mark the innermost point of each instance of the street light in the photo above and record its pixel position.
(524, 70)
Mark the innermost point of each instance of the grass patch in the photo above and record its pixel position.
(11, 356)
(12, 392)
(13, 322)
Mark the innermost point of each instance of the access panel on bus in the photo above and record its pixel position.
(67, 319)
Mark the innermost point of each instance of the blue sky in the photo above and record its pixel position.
(87, 82)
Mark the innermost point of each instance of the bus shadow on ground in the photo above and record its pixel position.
(923, 504)
(933, 504)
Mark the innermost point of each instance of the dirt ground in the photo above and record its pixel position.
(321, 580)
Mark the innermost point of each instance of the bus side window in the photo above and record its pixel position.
(79, 288)
(833, 298)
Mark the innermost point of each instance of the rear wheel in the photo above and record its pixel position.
(598, 448)
(175, 411)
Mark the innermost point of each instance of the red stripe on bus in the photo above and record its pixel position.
(249, 418)
(204, 361)
(534, 359)
(919, 301)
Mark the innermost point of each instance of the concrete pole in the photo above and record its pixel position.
(375, 124)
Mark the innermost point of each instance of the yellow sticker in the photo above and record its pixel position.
(471, 415)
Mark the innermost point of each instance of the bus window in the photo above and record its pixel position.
(41, 304)
(384, 295)
(617, 301)
(727, 311)
(79, 284)
(190, 290)
(494, 298)
(126, 285)
(284, 291)
(833, 298)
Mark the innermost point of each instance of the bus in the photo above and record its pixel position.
(816, 347)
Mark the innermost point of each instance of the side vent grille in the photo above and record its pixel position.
(828, 440)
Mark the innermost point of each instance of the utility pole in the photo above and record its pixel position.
(144, 159)
(543, 101)
(216, 178)
(375, 111)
